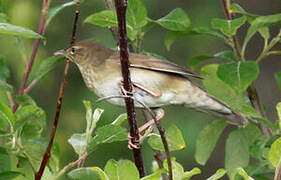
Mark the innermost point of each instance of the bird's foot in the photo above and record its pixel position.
(159, 115)
(124, 91)
(131, 144)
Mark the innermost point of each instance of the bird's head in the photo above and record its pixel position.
(85, 52)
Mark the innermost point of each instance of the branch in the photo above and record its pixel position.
(121, 7)
(252, 91)
(36, 44)
(59, 102)
(158, 125)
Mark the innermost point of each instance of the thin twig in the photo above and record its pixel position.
(41, 29)
(11, 100)
(234, 39)
(157, 123)
(121, 7)
(30, 86)
(70, 165)
(60, 98)
(252, 91)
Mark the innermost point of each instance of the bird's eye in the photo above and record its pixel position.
(72, 50)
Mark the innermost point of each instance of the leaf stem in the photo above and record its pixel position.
(268, 47)
(59, 101)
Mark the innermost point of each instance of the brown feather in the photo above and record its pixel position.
(152, 63)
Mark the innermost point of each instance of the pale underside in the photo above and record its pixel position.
(178, 90)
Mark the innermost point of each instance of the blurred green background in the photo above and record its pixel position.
(26, 13)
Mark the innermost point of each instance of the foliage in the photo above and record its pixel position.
(22, 139)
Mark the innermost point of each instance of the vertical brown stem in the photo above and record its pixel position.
(36, 44)
(59, 102)
(252, 91)
(121, 7)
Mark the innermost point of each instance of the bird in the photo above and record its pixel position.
(155, 82)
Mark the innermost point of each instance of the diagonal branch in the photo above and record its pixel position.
(121, 7)
(41, 29)
(59, 102)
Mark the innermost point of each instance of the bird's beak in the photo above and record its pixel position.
(61, 52)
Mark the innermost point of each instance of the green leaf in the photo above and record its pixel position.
(4, 74)
(278, 108)
(236, 8)
(194, 62)
(188, 174)
(264, 32)
(228, 27)
(30, 115)
(251, 133)
(154, 176)
(238, 75)
(6, 86)
(92, 119)
(6, 115)
(55, 10)
(120, 119)
(4, 70)
(174, 35)
(78, 142)
(136, 19)
(174, 138)
(136, 14)
(219, 89)
(176, 20)
(237, 153)
(127, 170)
(275, 152)
(106, 18)
(96, 117)
(207, 31)
(178, 171)
(9, 175)
(10, 29)
(47, 65)
(88, 173)
(278, 79)
(219, 174)
(5, 160)
(34, 150)
(244, 174)
(108, 134)
(25, 99)
(260, 22)
(226, 55)
(207, 140)
(111, 169)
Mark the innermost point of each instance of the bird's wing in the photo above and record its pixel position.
(155, 64)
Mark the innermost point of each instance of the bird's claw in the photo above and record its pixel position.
(124, 91)
(131, 145)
